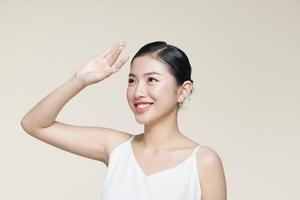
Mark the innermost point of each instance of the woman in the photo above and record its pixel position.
(160, 163)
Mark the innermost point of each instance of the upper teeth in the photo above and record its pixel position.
(143, 105)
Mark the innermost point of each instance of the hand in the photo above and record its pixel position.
(102, 66)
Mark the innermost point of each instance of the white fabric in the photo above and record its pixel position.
(126, 180)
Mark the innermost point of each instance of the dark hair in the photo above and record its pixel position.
(174, 57)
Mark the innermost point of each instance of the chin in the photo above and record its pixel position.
(144, 120)
(141, 121)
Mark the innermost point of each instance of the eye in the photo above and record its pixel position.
(151, 79)
(130, 80)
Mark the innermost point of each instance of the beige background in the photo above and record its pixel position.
(245, 59)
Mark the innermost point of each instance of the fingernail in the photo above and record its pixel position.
(122, 43)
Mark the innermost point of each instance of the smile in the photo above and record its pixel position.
(142, 107)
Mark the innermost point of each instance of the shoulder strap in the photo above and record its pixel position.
(198, 147)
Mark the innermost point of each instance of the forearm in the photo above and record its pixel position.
(44, 113)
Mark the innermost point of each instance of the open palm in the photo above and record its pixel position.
(102, 66)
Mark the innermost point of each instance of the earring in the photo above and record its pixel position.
(180, 103)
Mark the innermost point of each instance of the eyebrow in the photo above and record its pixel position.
(145, 74)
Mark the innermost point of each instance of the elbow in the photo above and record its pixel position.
(30, 126)
(25, 125)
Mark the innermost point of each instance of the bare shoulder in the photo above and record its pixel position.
(116, 139)
(208, 156)
(211, 174)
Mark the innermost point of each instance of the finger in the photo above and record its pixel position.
(118, 65)
(114, 54)
(111, 49)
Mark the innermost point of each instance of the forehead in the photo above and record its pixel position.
(147, 63)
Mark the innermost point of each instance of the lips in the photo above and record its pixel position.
(142, 104)
(138, 102)
(142, 107)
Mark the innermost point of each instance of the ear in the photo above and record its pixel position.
(185, 90)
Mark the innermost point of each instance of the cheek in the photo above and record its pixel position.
(164, 90)
(129, 94)
(129, 98)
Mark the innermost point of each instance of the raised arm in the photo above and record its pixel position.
(90, 142)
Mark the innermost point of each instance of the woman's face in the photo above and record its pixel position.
(152, 92)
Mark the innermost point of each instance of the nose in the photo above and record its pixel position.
(140, 91)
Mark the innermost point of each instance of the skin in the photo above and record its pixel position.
(160, 122)
(161, 132)
(161, 135)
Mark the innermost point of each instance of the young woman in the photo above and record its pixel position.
(158, 164)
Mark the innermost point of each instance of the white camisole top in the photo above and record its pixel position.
(125, 180)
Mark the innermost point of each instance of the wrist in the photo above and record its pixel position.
(79, 83)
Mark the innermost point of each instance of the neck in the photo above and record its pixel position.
(161, 133)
